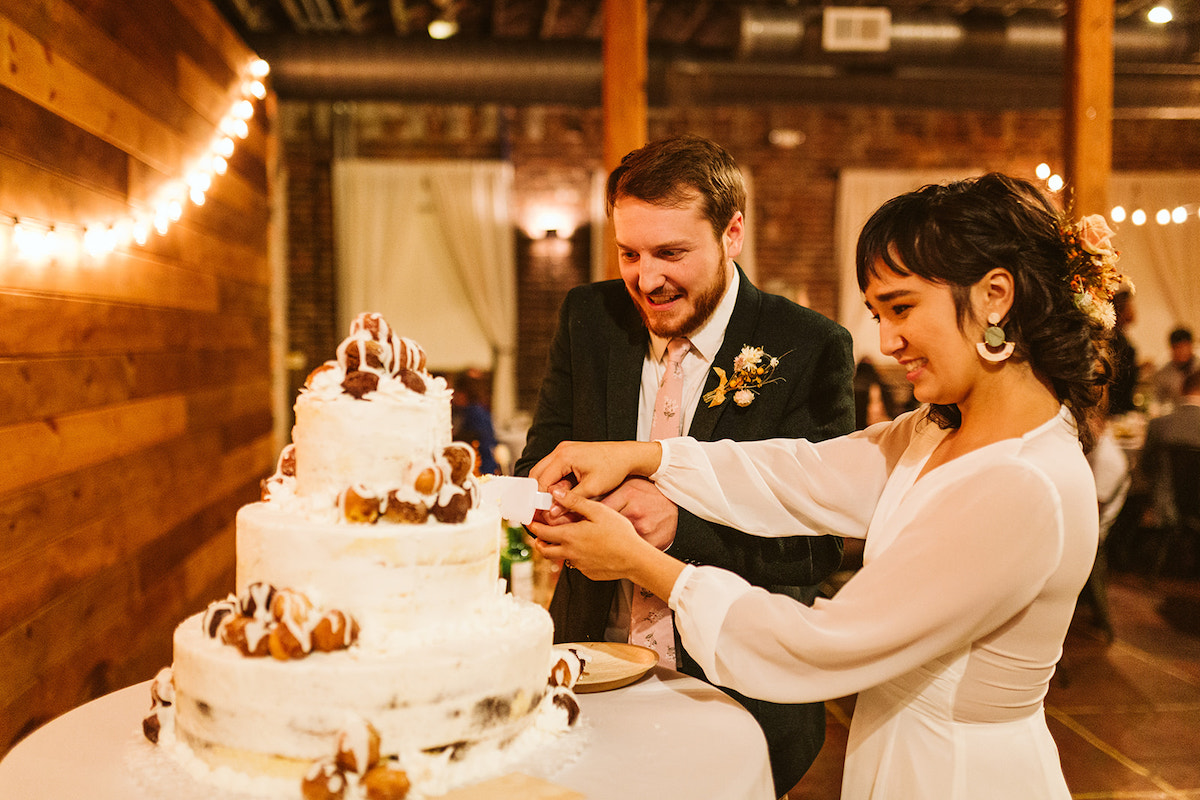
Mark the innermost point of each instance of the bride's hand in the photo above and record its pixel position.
(603, 545)
(597, 467)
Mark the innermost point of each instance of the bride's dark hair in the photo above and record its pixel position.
(954, 234)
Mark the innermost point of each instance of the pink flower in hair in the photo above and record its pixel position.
(1095, 236)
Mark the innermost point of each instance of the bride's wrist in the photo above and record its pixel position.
(648, 458)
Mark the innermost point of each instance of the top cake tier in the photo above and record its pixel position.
(373, 419)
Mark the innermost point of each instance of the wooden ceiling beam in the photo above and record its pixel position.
(1088, 109)
(623, 88)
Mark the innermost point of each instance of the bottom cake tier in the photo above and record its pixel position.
(476, 678)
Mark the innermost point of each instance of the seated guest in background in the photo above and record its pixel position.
(1180, 427)
(978, 509)
(1124, 357)
(1110, 468)
(471, 419)
(1168, 380)
(685, 343)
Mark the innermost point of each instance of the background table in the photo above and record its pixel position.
(666, 736)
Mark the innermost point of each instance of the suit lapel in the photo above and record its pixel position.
(738, 333)
(624, 379)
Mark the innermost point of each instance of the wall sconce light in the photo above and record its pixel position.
(549, 221)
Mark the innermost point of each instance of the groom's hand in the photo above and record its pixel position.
(654, 517)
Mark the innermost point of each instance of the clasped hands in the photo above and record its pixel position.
(617, 535)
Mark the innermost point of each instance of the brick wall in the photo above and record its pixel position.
(556, 150)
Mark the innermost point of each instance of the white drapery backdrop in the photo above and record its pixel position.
(431, 246)
(1162, 260)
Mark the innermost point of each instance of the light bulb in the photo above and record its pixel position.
(1160, 15)
(1179, 215)
(1139, 217)
(260, 68)
(200, 180)
(1118, 214)
(442, 28)
(51, 243)
(93, 240)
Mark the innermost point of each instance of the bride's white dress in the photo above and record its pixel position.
(951, 630)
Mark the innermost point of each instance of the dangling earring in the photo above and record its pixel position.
(994, 337)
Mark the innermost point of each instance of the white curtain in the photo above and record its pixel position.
(430, 245)
(1162, 260)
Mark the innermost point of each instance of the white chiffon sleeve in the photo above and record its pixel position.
(968, 560)
(785, 487)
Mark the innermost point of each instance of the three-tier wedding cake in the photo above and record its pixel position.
(367, 622)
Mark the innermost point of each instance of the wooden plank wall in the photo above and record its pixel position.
(135, 389)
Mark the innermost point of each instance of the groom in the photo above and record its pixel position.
(750, 365)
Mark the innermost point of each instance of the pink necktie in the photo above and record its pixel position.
(650, 622)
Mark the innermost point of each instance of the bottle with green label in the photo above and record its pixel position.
(516, 562)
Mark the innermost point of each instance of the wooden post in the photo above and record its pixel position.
(1089, 103)
(623, 88)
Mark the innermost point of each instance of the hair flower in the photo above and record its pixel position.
(752, 370)
(1092, 267)
(1095, 236)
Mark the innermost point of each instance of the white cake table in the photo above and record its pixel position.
(666, 736)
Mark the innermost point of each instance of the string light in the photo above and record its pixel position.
(1118, 214)
(38, 241)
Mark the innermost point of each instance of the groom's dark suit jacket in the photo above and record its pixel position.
(590, 393)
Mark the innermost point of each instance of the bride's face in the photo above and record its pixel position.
(918, 326)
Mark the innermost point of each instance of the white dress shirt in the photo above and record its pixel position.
(706, 341)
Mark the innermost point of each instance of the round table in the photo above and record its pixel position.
(666, 736)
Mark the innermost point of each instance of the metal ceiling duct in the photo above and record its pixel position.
(944, 56)
(766, 31)
(454, 70)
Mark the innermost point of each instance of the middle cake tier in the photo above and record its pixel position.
(390, 577)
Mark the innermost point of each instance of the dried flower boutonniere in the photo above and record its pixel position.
(752, 370)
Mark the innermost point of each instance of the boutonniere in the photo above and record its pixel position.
(752, 370)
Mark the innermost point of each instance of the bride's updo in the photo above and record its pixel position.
(955, 234)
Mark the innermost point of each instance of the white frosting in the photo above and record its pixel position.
(478, 679)
(387, 576)
(341, 441)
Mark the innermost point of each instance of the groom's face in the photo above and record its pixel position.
(675, 268)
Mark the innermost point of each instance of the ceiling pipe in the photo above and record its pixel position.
(931, 60)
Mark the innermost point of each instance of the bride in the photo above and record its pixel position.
(978, 509)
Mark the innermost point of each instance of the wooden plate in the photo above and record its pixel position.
(610, 665)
